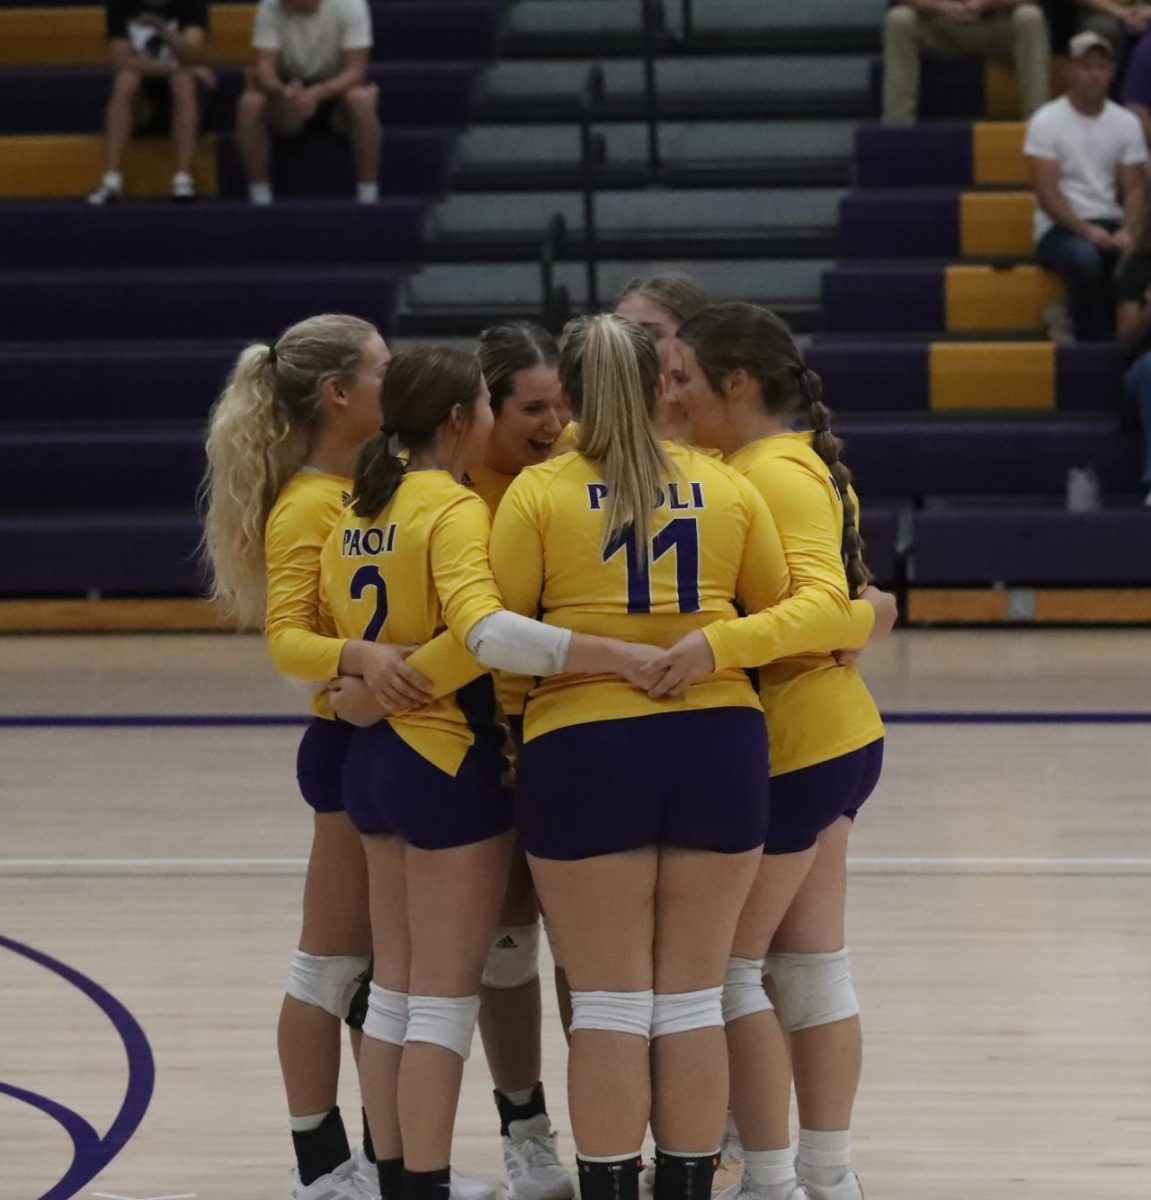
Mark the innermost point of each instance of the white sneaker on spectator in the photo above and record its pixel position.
(1056, 320)
(110, 189)
(846, 1188)
(1147, 500)
(183, 187)
(344, 1183)
(533, 1166)
(260, 194)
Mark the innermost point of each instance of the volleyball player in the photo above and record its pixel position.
(283, 440)
(643, 821)
(741, 381)
(426, 788)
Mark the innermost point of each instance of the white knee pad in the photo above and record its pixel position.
(743, 992)
(618, 1012)
(813, 989)
(681, 1012)
(387, 1016)
(328, 982)
(447, 1021)
(514, 958)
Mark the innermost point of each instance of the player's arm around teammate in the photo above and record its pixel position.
(282, 444)
(742, 381)
(643, 836)
(425, 789)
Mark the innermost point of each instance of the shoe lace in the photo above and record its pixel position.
(538, 1150)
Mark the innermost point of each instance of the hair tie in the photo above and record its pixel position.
(271, 354)
(388, 431)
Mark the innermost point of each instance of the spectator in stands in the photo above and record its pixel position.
(1117, 20)
(1009, 29)
(1087, 155)
(310, 73)
(1137, 85)
(157, 52)
(1133, 319)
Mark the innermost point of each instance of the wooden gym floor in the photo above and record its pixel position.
(1000, 901)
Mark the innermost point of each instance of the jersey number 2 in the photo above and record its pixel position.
(370, 577)
(682, 535)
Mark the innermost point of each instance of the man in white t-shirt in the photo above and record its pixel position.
(1087, 157)
(311, 70)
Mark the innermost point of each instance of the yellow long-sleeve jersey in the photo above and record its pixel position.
(816, 710)
(416, 569)
(712, 541)
(308, 506)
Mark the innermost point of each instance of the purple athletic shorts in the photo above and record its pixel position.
(389, 788)
(807, 801)
(693, 779)
(320, 763)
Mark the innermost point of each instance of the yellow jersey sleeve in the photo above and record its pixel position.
(818, 616)
(517, 549)
(460, 566)
(446, 663)
(296, 532)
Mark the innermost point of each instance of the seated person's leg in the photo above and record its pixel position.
(358, 115)
(119, 120)
(1086, 269)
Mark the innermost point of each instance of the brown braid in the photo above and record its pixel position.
(735, 336)
(829, 447)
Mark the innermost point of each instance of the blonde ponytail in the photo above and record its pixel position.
(610, 370)
(259, 433)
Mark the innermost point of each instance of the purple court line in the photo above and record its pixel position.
(225, 720)
(90, 1152)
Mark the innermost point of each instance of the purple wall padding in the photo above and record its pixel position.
(883, 299)
(109, 381)
(880, 536)
(114, 553)
(202, 303)
(1089, 376)
(862, 377)
(64, 234)
(1037, 547)
(990, 458)
(919, 224)
(934, 155)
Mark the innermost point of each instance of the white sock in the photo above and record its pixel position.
(114, 180)
(307, 1124)
(523, 1096)
(823, 1158)
(367, 193)
(260, 193)
(769, 1173)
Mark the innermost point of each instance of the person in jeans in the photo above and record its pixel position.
(1008, 29)
(1087, 155)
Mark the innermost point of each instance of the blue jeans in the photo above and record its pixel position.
(1137, 384)
(1090, 276)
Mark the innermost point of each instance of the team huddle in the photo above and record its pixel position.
(580, 624)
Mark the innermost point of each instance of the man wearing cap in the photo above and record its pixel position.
(1086, 155)
(1008, 29)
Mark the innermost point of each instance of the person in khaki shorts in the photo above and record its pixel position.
(1010, 29)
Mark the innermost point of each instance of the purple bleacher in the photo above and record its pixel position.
(863, 377)
(114, 553)
(920, 224)
(81, 470)
(1089, 377)
(205, 302)
(72, 99)
(415, 161)
(107, 382)
(1008, 457)
(77, 236)
(879, 298)
(881, 541)
(1034, 547)
(932, 155)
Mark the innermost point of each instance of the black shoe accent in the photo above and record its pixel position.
(510, 1112)
(320, 1151)
(679, 1178)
